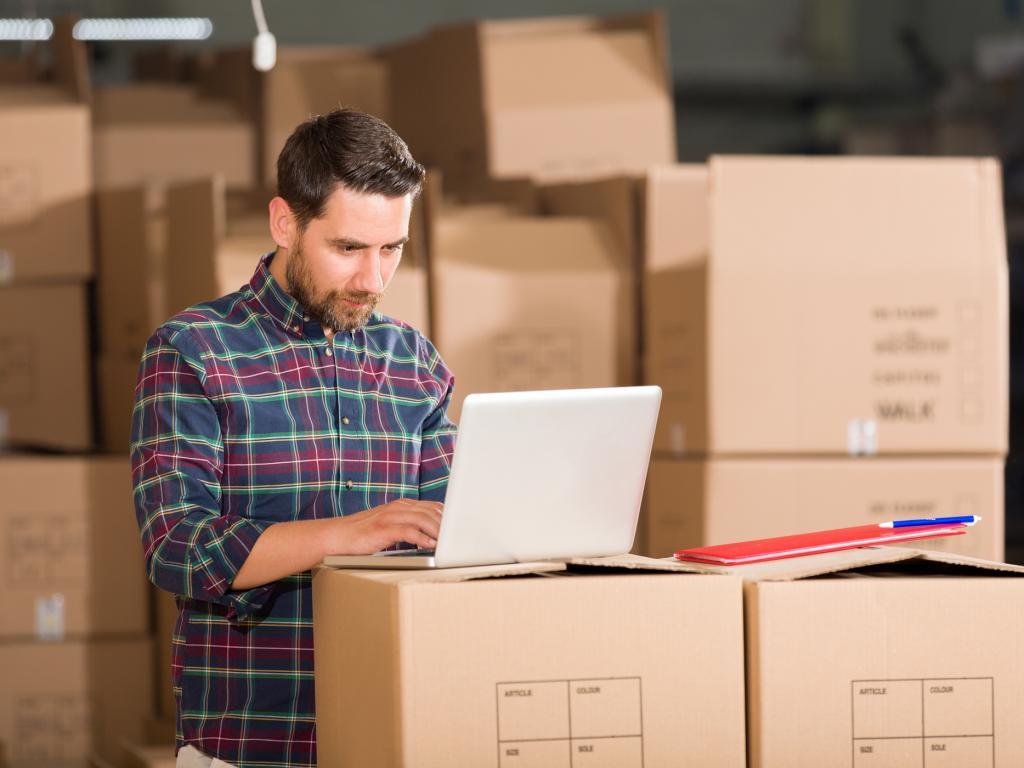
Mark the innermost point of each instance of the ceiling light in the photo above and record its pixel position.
(26, 29)
(143, 29)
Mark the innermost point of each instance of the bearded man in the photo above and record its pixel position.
(281, 423)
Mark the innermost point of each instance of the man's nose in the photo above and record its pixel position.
(369, 279)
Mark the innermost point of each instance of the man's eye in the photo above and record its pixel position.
(350, 248)
(392, 249)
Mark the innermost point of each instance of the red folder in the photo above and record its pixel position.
(813, 543)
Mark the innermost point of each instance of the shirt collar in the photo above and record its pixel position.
(278, 304)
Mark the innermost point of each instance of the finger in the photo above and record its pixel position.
(415, 536)
(415, 516)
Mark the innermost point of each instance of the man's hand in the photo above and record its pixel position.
(292, 547)
(372, 530)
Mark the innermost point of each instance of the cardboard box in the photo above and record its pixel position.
(45, 376)
(830, 306)
(62, 702)
(45, 184)
(883, 657)
(715, 501)
(216, 254)
(523, 302)
(537, 664)
(474, 99)
(162, 132)
(132, 238)
(72, 564)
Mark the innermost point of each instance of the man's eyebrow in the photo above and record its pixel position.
(346, 241)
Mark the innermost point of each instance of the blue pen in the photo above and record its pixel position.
(965, 519)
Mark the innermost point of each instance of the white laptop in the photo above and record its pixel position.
(539, 476)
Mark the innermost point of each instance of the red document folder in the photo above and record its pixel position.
(813, 543)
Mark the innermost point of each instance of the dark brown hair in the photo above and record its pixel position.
(347, 148)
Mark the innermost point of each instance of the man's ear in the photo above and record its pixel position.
(283, 227)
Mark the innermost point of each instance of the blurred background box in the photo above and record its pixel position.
(526, 301)
(147, 132)
(549, 99)
(45, 172)
(45, 367)
(62, 702)
(843, 306)
(696, 502)
(71, 562)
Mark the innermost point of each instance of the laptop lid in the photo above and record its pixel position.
(543, 475)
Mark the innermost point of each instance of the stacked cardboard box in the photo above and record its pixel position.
(45, 264)
(76, 611)
(304, 81)
(548, 99)
(164, 132)
(527, 300)
(803, 310)
(538, 664)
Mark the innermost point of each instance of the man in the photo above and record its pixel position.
(278, 424)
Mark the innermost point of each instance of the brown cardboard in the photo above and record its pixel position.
(132, 239)
(843, 305)
(497, 666)
(61, 702)
(527, 302)
(45, 183)
(696, 502)
(474, 99)
(619, 203)
(45, 385)
(71, 563)
(883, 657)
(161, 132)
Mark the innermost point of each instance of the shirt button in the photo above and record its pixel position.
(344, 420)
(349, 484)
(297, 328)
(306, 318)
(328, 352)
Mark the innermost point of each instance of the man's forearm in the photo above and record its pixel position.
(284, 549)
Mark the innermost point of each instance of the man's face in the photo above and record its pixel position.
(339, 267)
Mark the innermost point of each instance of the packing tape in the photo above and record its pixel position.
(50, 617)
(5, 427)
(6, 266)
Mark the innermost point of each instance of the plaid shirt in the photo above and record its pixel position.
(246, 415)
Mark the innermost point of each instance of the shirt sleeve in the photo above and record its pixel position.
(191, 547)
(437, 444)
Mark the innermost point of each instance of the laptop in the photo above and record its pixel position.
(539, 476)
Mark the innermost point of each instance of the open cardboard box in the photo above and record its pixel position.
(608, 662)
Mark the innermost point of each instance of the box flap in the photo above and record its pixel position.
(793, 568)
(439, 575)
(636, 563)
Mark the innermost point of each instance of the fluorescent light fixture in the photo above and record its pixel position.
(26, 29)
(143, 29)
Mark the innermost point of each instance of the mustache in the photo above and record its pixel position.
(359, 297)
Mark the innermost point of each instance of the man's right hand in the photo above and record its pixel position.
(374, 529)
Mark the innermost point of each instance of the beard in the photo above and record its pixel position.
(329, 307)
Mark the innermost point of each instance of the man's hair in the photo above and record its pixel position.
(346, 148)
